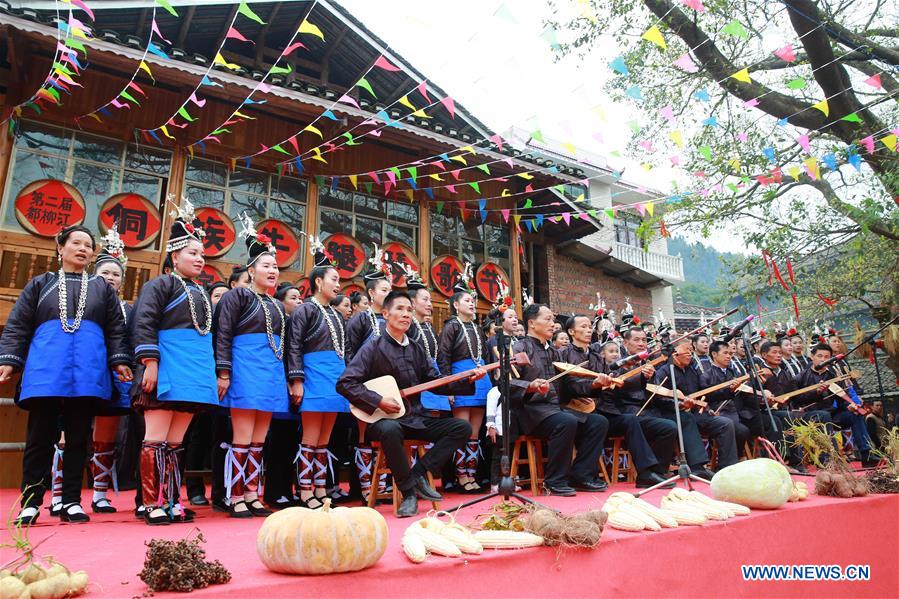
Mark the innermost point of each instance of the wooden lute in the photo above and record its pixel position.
(386, 386)
(781, 399)
(619, 380)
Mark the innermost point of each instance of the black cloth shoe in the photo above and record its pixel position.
(590, 486)
(409, 507)
(257, 509)
(74, 513)
(219, 505)
(102, 507)
(139, 512)
(27, 516)
(650, 479)
(559, 490)
(159, 520)
(245, 513)
(702, 472)
(425, 491)
(199, 500)
(54, 509)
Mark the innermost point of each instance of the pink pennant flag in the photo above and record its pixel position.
(640, 208)
(705, 192)
(566, 216)
(751, 103)
(868, 142)
(84, 7)
(667, 112)
(193, 98)
(155, 29)
(874, 81)
(694, 4)
(423, 90)
(439, 164)
(293, 142)
(599, 137)
(508, 161)
(63, 49)
(374, 176)
(455, 174)
(388, 185)
(450, 106)
(529, 188)
(743, 136)
(451, 188)
(675, 160)
(505, 212)
(383, 63)
(136, 88)
(234, 34)
(230, 122)
(685, 63)
(291, 48)
(497, 140)
(263, 87)
(171, 122)
(646, 144)
(76, 24)
(349, 100)
(786, 54)
(802, 140)
(374, 132)
(118, 104)
(391, 177)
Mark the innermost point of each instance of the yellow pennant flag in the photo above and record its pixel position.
(468, 149)
(93, 115)
(318, 155)
(459, 159)
(526, 176)
(742, 75)
(420, 114)
(811, 164)
(505, 193)
(307, 27)
(677, 138)
(600, 112)
(734, 163)
(410, 195)
(219, 59)
(889, 141)
(145, 67)
(650, 208)
(436, 177)
(312, 129)
(646, 166)
(244, 116)
(823, 107)
(166, 132)
(352, 179)
(794, 172)
(405, 102)
(572, 151)
(655, 36)
(580, 198)
(190, 150)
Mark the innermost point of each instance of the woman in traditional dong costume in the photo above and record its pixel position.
(176, 367)
(65, 332)
(315, 360)
(463, 347)
(250, 335)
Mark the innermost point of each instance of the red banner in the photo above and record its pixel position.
(349, 288)
(209, 275)
(47, 206)
(283, 238)
(397, 254)
(305, 288)
(445, 272)
(347, 254)
(138, 218)
(219, 229)
(488, 279)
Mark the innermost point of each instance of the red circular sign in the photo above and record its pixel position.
(47, 206)
(219, 229)
(305, 288)
(346, 253)
(445, 271)
(282, 237)
(396, 254)
(488, 279)
(138, 218)
(350, 288)
(209, 275)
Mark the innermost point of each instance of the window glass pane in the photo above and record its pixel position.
(200, 196)
(28, 167)
(498, 255)
(440, 244)
(97, 150)
(148, 159)
(145, 185)
(472, 251)
(403, 212)
(369, 205)
(249, 181)
(289, 189)
(254, 206)
(43, 139)
(401, 233)
(205, 171)
(95, 185)
(340, 199)
(497, 235)
(446, 225)
(368, 233)
(472, 229)
(334, 222)
(295, 217)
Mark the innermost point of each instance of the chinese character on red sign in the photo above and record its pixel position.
(488, 279)
(397, 254)
(47, 206)
(209, 275)
(286, 244)
(219, 229)
(351, 288)
(305, 288)
(138, 218)
(445, 272)
(347, 253)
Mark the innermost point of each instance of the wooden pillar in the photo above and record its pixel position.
(424, 240)
(515, 264)
(311, 221)
(175, 189)
(6, 148)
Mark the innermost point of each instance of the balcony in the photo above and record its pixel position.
(670, 268)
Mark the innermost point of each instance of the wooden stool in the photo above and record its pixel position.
(534, 461)
(617, 455)
(379, 467)
(747, 451)
(711, 446)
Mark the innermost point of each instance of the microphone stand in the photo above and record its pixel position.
(683, 468)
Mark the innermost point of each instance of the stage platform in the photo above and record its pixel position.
(688, 561)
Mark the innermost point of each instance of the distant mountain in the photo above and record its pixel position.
(703, 266)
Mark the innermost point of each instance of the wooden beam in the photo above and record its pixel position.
(326, 58)
(424, 240)
(260, 42)
(176, 188)
(311, 221)
(515, 265)
(185, 26)
(6, 148)
(221, 37)
(141, 21)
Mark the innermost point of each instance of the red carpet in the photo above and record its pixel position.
(684, 562)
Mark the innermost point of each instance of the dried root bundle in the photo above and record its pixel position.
(180, 566)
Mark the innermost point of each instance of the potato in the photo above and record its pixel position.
(56, 569)
(56, 587)
(5, 573)
(11, 588)
(78, 582)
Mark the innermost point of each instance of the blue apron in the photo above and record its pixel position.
(61, 364)
(186, 367)
(322, 369)
(121, 398)
(481, 387)
(257, 376)
(432, 401)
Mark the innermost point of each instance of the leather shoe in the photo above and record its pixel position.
(703, 473)
(409, 507)
(219, 505)
(650, 479)
(425, 491)
(559, 490)
(199, 500)
(590, 486)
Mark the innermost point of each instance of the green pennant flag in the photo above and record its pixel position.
(439, 207)
(474, 185)
(797, 83)
(538, 136)
(128, 96)
(559, 188)
(364, 84)
(706, 152)
(527, 204)
(52, 91)
(222, 130)
(736, 29)
(396, 172)
(413, 172)
(484, 168)
(73, 43)
(320, 180)
(167, 6)
(183, 112)
(280, 169)
(276, 70)
(350, 140)
(245, 10)
(732, 187)
(368, 185)
(592, 212)
(610, 213)
(852, 118)
(635, 126)
(278, 148)
(61, 67)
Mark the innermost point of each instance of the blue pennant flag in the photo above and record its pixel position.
(769, 154)
(330, 115)
(154, 49)
(634, 92)
(618, 65)
(299, 164)
(830, 160)
(702, 95)
(712, 121)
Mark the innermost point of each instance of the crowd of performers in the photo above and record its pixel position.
(264, 376)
